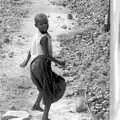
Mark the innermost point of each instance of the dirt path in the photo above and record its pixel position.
(17, 91)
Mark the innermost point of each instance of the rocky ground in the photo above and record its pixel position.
(80, 41)
(88, 53)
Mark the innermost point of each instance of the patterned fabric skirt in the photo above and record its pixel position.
(49, 83)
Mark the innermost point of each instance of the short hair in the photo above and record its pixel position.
(41, 18)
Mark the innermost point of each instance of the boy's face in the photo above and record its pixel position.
(43, 27)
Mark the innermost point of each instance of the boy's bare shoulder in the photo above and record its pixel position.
(44, 40)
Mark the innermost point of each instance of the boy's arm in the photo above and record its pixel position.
(44, 43)
(24, 63)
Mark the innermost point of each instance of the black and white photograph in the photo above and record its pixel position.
(71, 42)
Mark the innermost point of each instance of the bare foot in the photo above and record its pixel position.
(37, 107)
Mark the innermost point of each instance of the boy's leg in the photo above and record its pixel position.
(46, 111)
(37, 103)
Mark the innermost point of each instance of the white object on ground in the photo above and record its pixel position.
(16, 115)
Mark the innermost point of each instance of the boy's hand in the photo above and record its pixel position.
(23, 64)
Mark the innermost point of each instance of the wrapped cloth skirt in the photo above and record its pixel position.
(48, 82)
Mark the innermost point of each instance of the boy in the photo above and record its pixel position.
(41, 73)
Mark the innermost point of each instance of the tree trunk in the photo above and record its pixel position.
(107, 20)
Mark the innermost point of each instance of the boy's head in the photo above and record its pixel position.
(41, 22)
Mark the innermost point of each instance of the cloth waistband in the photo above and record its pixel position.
(39, 56)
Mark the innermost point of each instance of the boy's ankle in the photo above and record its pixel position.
(37, 107)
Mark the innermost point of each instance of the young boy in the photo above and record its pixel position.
(41, 73)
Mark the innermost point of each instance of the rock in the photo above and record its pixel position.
(2, 56)
(20, 36)
(85, 116)
(64, 27)
(6, 40)
(69, 16)
(20, 43)
(0, 21)
(16, 115)
(81, 104)
(92, 99)
(11, 54)
(48, 16)
(16, 0)
(64, 5)
(24, 87)
(12, 107)
(107, 116)
(98, 106)
(58, 16)
(1, 45)
(5, 29)
(66, 74)
(78, 36)
(31, 93)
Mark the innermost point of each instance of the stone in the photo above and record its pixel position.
(6, 40)
(69, 16)
(58, 16)
(78, 36)
(85, 116)
(16, 115)
(11, 54)
(5, 29)
(64, 27)
(0, 21)
(2, 56)
(12, 107)
(66, 74)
